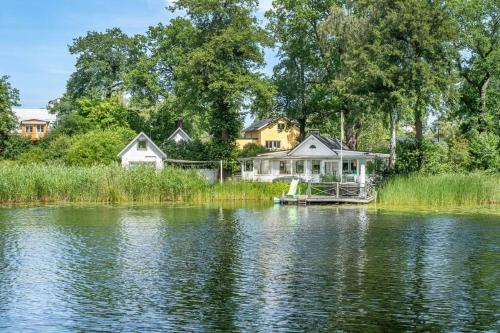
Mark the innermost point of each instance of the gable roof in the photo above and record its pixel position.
(326, 143)
(257, 125)
(332, 143)
(34, 114)
(142, 135)
(181, 132)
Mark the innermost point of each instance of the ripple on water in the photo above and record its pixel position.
(282, 269)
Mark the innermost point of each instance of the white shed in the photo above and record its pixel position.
(142, 151)
(179, 135)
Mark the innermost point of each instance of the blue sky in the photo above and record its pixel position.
(34, 38)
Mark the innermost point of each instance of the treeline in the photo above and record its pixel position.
(381, 65)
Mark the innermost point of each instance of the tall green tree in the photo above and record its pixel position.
(102, 60)
(9, 97)
(221, 72)
(304, 70)
(403, 62)
(478, 61)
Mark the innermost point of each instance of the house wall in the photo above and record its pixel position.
(305, 148)
(34, 135)
(134, 155)
(288, 137)
(242, 142)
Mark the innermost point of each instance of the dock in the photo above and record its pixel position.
(332, 193)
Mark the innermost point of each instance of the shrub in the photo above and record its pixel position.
(98, 146)
(484, 151)
(252, 149)
(15, 146)
(34, 155)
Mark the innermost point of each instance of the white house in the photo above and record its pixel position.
(315, 159)
(179, 135)
(142, 151)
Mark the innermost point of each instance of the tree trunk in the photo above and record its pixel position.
(483, 91)
(392, 143)
(302, 128)
(419, 132)
(352, 135)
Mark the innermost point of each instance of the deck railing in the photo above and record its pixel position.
(340, 190)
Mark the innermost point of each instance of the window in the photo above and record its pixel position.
(312, 147)
(350, 167)
(141, 145)
(263, 167)
(40, 128)
(281, 127)
(354, 166)
(285, 167)
(315, 167)
(29, 128)
(248, 166)
(142, 164)
(299, 167)
(273, 144)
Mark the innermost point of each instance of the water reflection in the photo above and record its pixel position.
(246, 269)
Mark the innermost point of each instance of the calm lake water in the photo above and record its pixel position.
(278, 269)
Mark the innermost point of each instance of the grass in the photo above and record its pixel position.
(440, 191)
(113, 184)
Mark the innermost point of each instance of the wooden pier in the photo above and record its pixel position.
(332, 193)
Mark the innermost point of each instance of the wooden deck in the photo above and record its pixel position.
(332, 193)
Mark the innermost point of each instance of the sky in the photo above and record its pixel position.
(34, 38)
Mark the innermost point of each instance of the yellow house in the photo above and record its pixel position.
(34, 123)
(272, 133)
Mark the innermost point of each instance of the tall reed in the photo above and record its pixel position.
(114, 184)
(445, 190)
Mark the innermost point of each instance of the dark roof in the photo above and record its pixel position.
(259, 124)
(332, 143)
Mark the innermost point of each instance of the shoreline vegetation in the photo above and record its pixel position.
(44, 183)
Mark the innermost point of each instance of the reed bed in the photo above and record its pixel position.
(436, 191)
(114, 184)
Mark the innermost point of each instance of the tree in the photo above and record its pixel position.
(403, 61)
(479, 46)
(220, 72)
(102, 61)
(304, 70)
(9, 97)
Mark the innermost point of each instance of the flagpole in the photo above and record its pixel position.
(341, 148)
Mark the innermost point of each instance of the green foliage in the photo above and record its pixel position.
(427, 157)
(103, 114)
(445, 190)
(98, 146)
(9, 97)
(252, 149)
(15, 146)
(484, 151)
(34, 155)
(102, 59)
(193, 150)
(304, 71)
(218, 72)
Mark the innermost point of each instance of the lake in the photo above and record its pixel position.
(266, 269)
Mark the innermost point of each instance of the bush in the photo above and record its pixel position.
(194, 150)
(252, 149)
(34, 155)
(15, 146)
(98, 146)
(484, 151)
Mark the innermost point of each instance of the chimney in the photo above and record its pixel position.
(313, 132)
